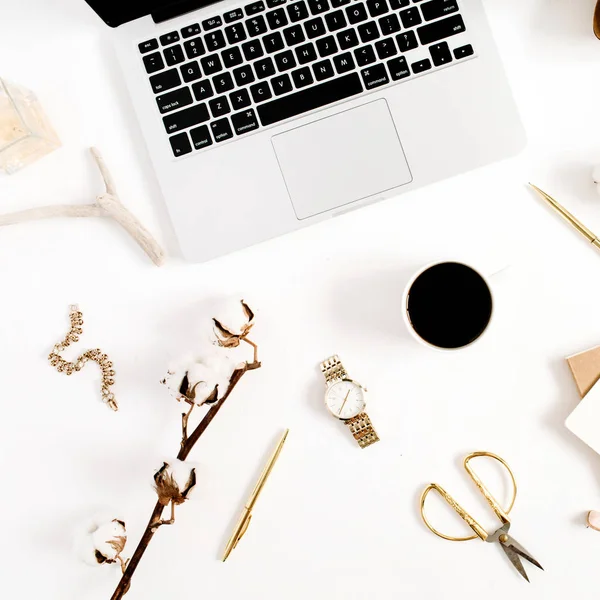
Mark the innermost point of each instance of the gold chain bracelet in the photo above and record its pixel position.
(97, 356)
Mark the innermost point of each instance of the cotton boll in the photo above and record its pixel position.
(174, 481)
(210, 372)
(101, 540)
(233, 321)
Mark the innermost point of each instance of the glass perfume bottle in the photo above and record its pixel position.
(25, 132)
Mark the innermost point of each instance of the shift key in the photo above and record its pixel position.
(186, 118)
(438, 30)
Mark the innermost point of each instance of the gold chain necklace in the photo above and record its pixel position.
(97, 356)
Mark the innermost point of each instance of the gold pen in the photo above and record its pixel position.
(244, 521)
(569, 218)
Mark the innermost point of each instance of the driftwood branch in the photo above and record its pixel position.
(107, 204)
(187, 444)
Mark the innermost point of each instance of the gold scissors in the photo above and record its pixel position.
(513, 550)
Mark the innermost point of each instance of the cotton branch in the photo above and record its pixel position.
(107, 204)
(187, 444)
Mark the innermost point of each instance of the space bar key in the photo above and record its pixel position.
(309, 99)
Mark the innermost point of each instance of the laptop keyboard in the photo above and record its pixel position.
(272, 60)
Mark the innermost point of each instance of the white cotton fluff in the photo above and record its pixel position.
(230, 313)
(214, 368)
(96, 536)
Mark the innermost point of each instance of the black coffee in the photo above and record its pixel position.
(449, 305)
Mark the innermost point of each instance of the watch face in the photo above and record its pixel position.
(345, 399)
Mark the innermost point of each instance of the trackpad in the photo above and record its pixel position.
(341, 159)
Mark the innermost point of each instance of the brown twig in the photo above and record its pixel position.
(186, 448)
(244, 339)
(185, 417)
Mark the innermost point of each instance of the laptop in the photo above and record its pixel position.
(265, 116)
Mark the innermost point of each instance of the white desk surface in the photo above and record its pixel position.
(334, 521)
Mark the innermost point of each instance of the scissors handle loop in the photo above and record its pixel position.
(471, 522)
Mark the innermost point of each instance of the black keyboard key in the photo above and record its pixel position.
(309, 99)
(302, 77)
(318, 6)
(389, 24)
(215, 40)
(244, 122)
(233, 15)
(422, 65)
(440, 54)
(180, 144)
(213, 23)
(211, 64)
(256, 26)
(368, 32)
(294, 35)
(364, 56)
(165, 81)
(338, 3)
(264, 68)
(396, 4)
(240, 99)
(438, 8)
(190, 30)
(385, 48)
(315, 28)
(297, 11)
(377, 7)
(235, 33)
(219, 106)
(174, 100)
(232, 57)
(276, 18)
(326, 46)
(306, 53)
(407, 41)
(273, 42)
(200, 137)
(285, 60)
(243, 75)
(356, 13)
(343, 63)
(252, 49)
(398, 68)
(274, 3)
(148, 46)
(185, 118)
(463, 51)
(438, 30)
(173, 55)
(410, 17)
(153, 62)
(223, 83)
(221, 129)
(261, 92)
(169, 38)
(347, 39)
(374, 76)
(281, 84)
(323, 70)
(191, 71)
(203, 90)
(252, 9)
(194, 48)
(335, 20)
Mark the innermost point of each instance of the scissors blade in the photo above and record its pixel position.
(514, 559)
(516, 547)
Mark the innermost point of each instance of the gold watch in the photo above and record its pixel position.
(345, 399)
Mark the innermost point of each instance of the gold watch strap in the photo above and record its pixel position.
(362, 430)
(333, 369)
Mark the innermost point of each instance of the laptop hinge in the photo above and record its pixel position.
(178, 8)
